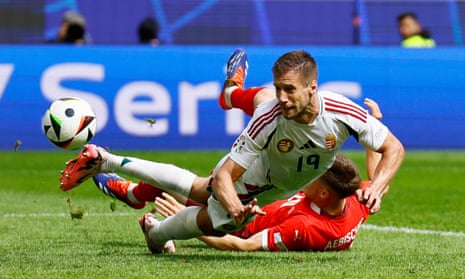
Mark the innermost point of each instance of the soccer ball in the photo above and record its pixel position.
(69, 123)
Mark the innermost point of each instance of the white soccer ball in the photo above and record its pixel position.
(69, 123)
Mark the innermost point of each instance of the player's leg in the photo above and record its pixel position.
(137, 194)
(190, 222)
(147, 223)
(117, 187)
(79, 169)
(234, 95)
(183, 225)
(247, 99)
(167, 177)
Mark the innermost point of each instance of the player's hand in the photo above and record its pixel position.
(374, 108)
(248, 211)
(168, 205)
(370, 198)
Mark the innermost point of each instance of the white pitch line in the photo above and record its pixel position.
(364, 226)
(42, 215)
(411, 231)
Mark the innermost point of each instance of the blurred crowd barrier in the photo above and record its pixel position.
(247, 22)
(421, 92)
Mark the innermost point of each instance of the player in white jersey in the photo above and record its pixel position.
(297, 134)
(294, 153)
(290, 141)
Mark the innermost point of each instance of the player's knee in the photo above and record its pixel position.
(205, 224)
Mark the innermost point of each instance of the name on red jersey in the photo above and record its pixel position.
(345, 240)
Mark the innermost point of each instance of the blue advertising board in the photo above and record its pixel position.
(421, 92)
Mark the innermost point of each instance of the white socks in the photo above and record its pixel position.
(183, 225)
(167, 177)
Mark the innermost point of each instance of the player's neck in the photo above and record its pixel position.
(335, 209)
(310, 113)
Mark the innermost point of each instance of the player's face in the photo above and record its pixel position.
(294, 95)
(409, 27)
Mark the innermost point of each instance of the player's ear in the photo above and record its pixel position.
(313, 86)
(324, 193)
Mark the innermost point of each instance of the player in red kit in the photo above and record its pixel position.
(325, 216)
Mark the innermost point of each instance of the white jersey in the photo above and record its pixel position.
(282, 153)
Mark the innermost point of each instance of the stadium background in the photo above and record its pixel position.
(422, 92)
(257, 22)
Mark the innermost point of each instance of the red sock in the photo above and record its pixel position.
(242, 98)
(146, 192)
(190, 202)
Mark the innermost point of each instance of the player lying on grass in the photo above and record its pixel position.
(325, 216)
(291, 140)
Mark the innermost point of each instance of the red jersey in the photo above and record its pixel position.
(297, 224)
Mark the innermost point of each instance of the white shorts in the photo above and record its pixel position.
(252, 182)
(221, 219)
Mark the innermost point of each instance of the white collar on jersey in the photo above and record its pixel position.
(315, 208)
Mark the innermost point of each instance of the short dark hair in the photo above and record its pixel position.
(148, 30)
(405, 15)
(343, 176)
(299, 61)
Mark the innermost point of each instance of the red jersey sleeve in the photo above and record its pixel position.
(290, 235)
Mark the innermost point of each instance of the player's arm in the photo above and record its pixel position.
(381, 165)
(224, 191)
(234, 243)
(372, 157)
(393, 153)
(372, 161)
(282, 237)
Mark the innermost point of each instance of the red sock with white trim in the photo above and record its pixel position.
(241, 98)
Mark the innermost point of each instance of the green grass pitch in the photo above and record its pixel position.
(419, 232)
